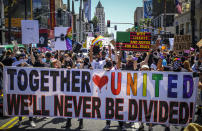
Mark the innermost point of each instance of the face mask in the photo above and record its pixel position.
(78, 65)
(44, 60)
(97, 59)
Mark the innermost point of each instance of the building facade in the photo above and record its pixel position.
(138, 14)
(100, 14)
(198, 18)
(183, 21)
(160, 19)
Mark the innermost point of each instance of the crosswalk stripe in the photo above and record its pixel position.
(9, 122)
(13, 124)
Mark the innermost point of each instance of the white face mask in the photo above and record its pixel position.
(44, 60)
(78, 65)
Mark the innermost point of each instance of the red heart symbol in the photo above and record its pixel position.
(100, 82)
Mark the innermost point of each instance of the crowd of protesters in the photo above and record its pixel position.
(107, 59)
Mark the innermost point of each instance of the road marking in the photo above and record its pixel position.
(13, 124)
(9, 122)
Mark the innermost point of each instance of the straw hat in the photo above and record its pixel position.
(129, 58)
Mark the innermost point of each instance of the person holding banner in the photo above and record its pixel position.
(39, 62)
(47, 62)
(96, 63)
(7, 61)
(109, 66)
(68, 63)
(32, 123)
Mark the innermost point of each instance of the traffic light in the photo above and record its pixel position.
(108, 23)
(115, 27)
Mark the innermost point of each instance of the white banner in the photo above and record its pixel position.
(30, 31)
(151, 97)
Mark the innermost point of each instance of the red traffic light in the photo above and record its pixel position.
(108, 23)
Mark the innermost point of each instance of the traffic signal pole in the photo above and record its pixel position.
(25, 1)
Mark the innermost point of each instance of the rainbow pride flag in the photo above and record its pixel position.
(98, 39)
(69, 39)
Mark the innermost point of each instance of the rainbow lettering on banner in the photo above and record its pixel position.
(97, 40)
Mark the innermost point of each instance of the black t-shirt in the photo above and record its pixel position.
(7, 61)
(38, 64)
(1, 57)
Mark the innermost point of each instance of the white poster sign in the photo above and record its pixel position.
(61, 38)
(30, 31)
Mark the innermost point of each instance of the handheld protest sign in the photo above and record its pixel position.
(43, 39)
(200, 54)
(199, 44)
(30, 31)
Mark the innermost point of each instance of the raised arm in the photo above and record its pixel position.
(148, 55)
(115, 49)
(117, 57)
(91, 54)
(32, 56)
(145, 62)
(110, 51)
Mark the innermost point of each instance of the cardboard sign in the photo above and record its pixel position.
(182, 42)
(199, 44)
(148, 97)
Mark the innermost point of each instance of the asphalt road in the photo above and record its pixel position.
(57, 123)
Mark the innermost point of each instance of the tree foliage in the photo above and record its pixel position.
(95, 22)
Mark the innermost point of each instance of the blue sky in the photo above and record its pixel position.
(121, 11)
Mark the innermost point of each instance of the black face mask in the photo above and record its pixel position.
(68, 63)
(108, 64)
(97, 59)
(86, 61)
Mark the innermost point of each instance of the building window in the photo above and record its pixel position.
(177, 30)
(187, 27)
(182, 29)
(169, 20)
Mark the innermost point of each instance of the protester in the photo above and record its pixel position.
(7, 61)
(106, 59)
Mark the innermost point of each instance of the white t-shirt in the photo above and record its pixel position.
(113, 57)
(153, 66)
(98, 65)
(19, 62)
